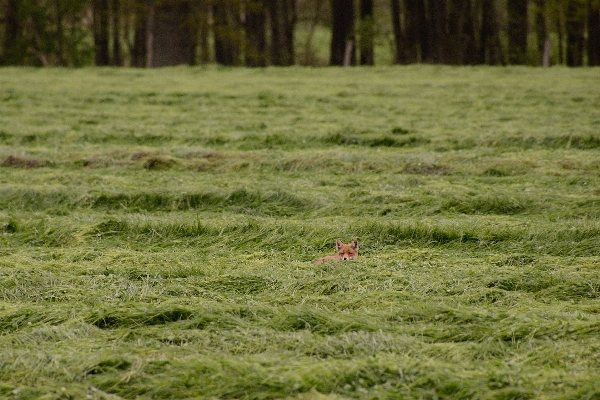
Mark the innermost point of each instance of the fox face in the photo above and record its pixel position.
(347, 251)
(344, 252)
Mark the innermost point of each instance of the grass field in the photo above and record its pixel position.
(157, 229)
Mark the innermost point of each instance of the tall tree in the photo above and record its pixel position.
(593, 47)
(490, 48)
(140, 30)
(54, 32)
(12, 47)
(468, 37)
(342, 35)
(438, 33)
(228, 34)
(367, 33)
(541, 26)
(453, 51)
(172, 34)
(203, 12)
(45, 32)
(399, 39)
(423, 32)
(116, 30)
(282, 16)
(517, 31)
(59, 14)
(461, 43)
(412, 30)
(256, 38)
(559, 11)
(575, 26)
(101, 32)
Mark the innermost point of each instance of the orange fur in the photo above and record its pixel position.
(344, 252)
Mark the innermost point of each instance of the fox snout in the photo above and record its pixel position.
(347, 251)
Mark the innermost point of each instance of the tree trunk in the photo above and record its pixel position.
(517, 31)
(60, 33)
(468, 40)
(101, 21)
(12, 34)
(116, 24)
(417, 33)
(342, 30)
(13, 53)
(204, 17)
(138, 50)
(256, 38)
(423, 32)
(282, 15)
(367, 33)
(228, 36)
(593, 47)
(204, 26)
(412, 30)
(461, 45)
(173, 37)
(490, 49)
(399, 40)
(290, 18)
(223, 46)
(561, 39)
(438, 33)
(575, 33)
(541, 27)
(456, 20)
(546, 54)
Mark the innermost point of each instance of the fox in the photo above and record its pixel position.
(344, 252)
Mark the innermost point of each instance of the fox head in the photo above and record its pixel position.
(347, 251)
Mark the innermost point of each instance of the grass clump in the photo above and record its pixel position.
(157, 230)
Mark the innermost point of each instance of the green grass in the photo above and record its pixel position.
(157, 229)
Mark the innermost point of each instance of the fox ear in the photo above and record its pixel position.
(338, 244)
(355, 244)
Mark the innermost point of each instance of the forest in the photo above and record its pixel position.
(258, 33)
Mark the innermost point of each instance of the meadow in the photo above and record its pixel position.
(157, 229)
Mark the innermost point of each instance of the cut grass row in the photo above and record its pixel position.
(442, 321)
(552, 198)
(282, 323)
(157, 228)
(261, 109)
(248, 142)
(246, 234)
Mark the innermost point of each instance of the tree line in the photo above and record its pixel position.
(256, 33)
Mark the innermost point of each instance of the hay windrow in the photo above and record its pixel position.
(157, 229)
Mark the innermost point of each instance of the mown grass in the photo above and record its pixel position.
(157, 228)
